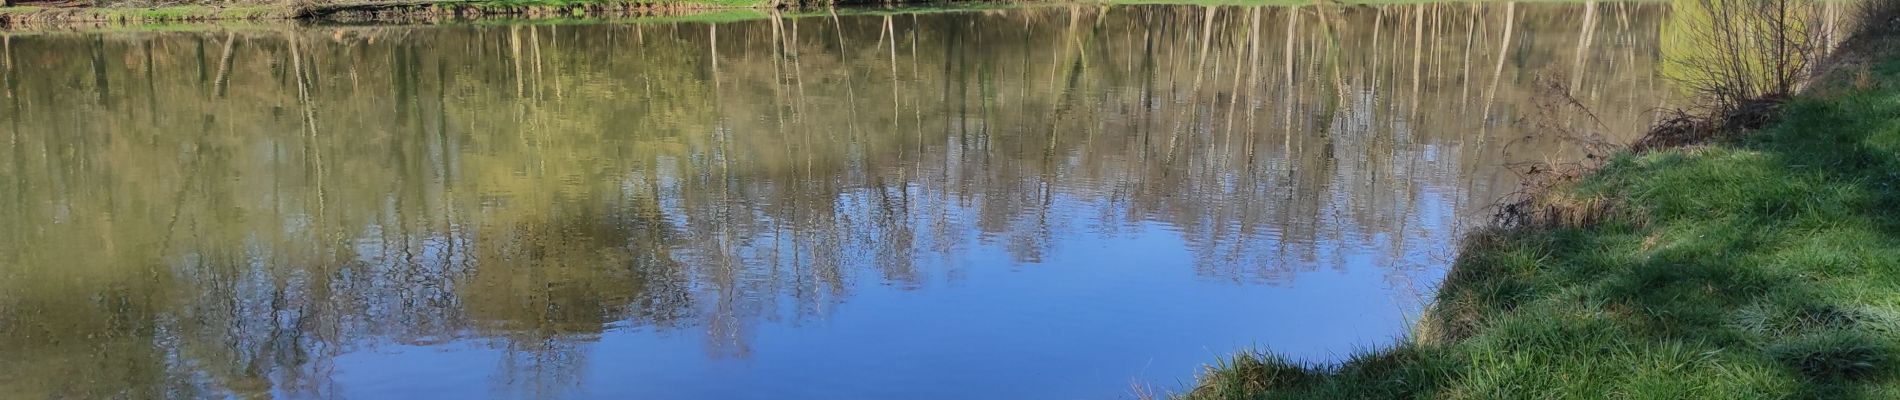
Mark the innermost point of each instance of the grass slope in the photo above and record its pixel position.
(1766, 268)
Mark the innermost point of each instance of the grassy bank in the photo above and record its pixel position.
(28, 14)
(1765, 267)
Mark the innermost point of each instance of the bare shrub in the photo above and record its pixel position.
(1732, 55)
(1738, 60)
(1877, 17)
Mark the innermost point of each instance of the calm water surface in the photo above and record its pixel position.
(1055, 202)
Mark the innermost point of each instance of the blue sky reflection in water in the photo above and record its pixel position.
(1043, 202)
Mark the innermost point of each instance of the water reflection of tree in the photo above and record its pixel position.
(281, 198)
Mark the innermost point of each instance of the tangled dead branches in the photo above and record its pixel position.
(1555, 111)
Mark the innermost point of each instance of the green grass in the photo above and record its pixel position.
(1765, 268)
(165, 13)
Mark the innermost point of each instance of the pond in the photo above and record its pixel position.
(1050, 202)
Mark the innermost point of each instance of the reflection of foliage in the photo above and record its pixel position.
(252, 204)
(1728, 52)
(1732, 270)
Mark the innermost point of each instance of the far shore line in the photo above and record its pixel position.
(30, 17)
